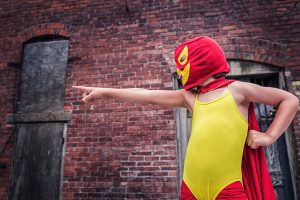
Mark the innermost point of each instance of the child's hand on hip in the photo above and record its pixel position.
(256, 139)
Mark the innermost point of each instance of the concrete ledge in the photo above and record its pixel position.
(39, 117)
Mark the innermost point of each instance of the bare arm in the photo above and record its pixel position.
(163, 98)
(287, 105)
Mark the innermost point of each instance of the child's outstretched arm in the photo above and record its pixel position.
(164, 98)
(287, 105)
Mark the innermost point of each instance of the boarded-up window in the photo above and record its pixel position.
(40, 121)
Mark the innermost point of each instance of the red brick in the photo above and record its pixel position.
(125, 50)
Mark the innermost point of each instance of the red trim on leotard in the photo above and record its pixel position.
(186, 194)
(233, 191)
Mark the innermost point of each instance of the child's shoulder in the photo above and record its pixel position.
(241, 88)
(259, 94)
(238, 90)
(239, 85)
(247, 89)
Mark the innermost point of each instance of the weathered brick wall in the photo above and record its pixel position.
(114, 149)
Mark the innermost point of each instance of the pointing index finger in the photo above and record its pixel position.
(80, 87)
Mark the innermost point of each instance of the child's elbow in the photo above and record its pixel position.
(294, 101)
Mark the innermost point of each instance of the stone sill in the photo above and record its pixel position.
(39, 117)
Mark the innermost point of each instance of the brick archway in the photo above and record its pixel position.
(254, 49)
(36, 31)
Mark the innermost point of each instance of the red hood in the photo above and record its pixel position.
(199, 58)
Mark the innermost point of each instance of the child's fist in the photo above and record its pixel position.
(256, 139)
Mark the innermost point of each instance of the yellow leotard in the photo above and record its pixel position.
(214, 153)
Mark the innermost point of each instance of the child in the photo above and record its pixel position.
(220, 108)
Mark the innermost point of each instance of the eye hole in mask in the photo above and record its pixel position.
(183, 56)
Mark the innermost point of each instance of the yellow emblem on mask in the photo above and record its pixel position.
(182, 59)
(184, 74)
(183, 56)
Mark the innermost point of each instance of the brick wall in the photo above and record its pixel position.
(115, 149)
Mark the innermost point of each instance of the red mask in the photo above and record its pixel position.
(197, 59)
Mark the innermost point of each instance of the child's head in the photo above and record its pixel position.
(198, 59)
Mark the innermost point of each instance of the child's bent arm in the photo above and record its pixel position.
(164, 98)
(286, 103)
